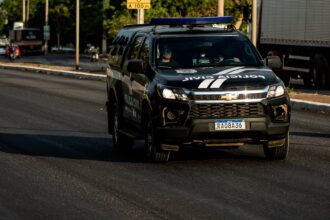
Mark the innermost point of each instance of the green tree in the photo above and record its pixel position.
(121, 16)
(3, 18)
(184, 8)
(91, 22)
(62, 15)
(14, 12)
(59, 14)
(235, 8)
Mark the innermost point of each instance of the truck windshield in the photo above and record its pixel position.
(205, 51)
(31, 35)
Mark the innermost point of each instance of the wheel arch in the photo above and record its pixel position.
(146, 108)
(112, 98)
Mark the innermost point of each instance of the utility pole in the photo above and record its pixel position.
(77, 32)
(23, 12)
(46, 24)
(140, 16)
(220, 7)
(254, 22)
(27, 11)
(104, 35)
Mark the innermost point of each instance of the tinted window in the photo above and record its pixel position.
(204, 51)
(116, 55)
(144, 54)
(113, 57)
(136, 48)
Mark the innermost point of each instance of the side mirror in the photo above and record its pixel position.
(135, 66)
(273, 62)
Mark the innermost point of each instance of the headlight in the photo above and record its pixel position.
(275, 91)
(168, 94)
(174, 94)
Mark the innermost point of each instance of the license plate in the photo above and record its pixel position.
(229, 124)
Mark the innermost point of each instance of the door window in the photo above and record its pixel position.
(136, 48)
(144, 54)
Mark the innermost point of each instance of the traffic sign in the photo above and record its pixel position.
(138, 4)
(46, 32)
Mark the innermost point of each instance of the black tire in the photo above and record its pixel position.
(308, 81)
(152, 146)
(320, 72)
(277, 153)
(119, 140)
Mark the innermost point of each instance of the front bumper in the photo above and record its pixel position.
(257, 129)
(272, 123)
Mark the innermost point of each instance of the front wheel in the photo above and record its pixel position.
(153, 151)
(279, 152)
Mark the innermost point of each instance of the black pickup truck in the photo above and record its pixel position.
(197, 82)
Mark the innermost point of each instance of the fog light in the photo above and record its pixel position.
(171, 116)
(280, 112)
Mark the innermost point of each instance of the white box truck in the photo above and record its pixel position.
(295, 37)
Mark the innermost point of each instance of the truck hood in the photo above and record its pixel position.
(225, 78)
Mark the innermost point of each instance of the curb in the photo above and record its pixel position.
(73, 74)
(296, 103)
(310, 106)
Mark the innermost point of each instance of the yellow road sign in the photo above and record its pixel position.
(138, 4)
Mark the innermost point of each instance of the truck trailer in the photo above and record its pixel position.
(294, 35)
(29, 40)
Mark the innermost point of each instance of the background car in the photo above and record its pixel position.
(61, 49)
(3, 43)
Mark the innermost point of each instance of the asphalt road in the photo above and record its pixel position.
(57, 162)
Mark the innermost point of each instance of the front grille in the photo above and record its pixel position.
(239, 97)
(230, 110)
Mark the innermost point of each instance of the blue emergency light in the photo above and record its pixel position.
(192, 21)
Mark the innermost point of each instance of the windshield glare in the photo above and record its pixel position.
(205, 51)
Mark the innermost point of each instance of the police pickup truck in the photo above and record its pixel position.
(193, 81)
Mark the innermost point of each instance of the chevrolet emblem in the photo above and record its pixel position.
(229, 97)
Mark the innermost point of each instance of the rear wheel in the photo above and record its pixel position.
(309, 81)
(279, 152)
(320, 71)
(154, 152)
(119, 140)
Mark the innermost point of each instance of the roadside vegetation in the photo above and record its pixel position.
(94, 18)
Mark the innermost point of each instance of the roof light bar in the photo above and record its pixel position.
(192, 21)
